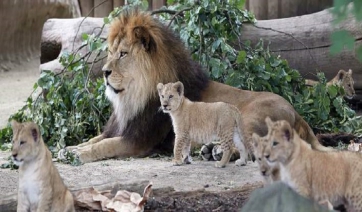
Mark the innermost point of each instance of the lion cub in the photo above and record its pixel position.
(335, 176)
(269, 173)
(40, 185)
(201, 122)
(343, 79)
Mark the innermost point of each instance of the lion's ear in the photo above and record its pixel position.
(341, 74)
(159, 87)
(255, 138)
(144, 37)
(35, 132)
(14, 124)
(269, 123)
(179, 88)
(287, 131)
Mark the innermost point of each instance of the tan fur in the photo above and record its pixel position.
(40, 185)
(343, 79)
(335, 176)
(142, 53)
(201, 122)
(269, 173)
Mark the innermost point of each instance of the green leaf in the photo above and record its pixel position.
(106, 20)
(332, 90)
(341, 39)
(85, 36)
(241, 57)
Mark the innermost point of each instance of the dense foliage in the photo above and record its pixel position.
(341, 38)
(74, 107)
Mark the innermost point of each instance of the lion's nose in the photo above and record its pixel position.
(263, 172)
(267, 156)
(107, 73)
(14, 155)
(164, 106)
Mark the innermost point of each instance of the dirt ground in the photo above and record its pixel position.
(16, 86)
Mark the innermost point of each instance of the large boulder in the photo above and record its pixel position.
(278, 197)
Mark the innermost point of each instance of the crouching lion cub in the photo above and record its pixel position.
(201, 122)
(269, 173)
(40, 185)
(334, 176)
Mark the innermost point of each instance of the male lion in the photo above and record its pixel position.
(202, 122)
(144, 52)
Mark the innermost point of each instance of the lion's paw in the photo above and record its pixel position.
(219, 165)
(177, 162)
(240, 162)
(69, 157)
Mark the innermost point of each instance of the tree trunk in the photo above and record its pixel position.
(304, 41)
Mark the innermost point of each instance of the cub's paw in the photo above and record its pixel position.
(188, 159)
(219, 165)
(206, 151)
(177, 162)
(240, 162)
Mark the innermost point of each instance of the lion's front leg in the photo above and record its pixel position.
(90, 142)
(108, 148)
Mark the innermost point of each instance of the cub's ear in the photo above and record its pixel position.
(159, 87)
(287, 131)
(341, 74)
(179, 88)
(143, 36)
(14, 124)
(256, 139)
(34, 129)
(269, 123)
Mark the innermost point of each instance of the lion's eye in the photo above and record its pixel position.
(259, 158)
(170, 96)
(162, 96)
(122, 54)
(275, 143)
(349, 85)
(22, 142)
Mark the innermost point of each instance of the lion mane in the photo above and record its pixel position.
(142, 53)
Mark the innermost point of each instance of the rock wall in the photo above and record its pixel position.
(22, 23)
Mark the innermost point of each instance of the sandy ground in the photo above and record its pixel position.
(16, 86)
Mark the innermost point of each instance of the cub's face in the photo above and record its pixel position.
(25, 144)
(260, 144)
(171, 96)
(348, 83)
(279, 141)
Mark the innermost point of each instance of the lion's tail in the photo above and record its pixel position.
(307, 134)
(246, 143)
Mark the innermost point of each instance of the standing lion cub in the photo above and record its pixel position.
(40, 185)
(201, 122)
(334, 176)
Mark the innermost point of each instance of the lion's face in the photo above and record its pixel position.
(280, 145)
(171, 96)
(260, 144)
(347, 82)
(25, 144)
